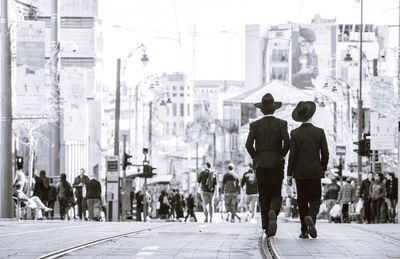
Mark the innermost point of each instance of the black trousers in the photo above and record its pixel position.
(82, 207)
(190, 213)
(269, 181)
(308, 199)
(367, 210)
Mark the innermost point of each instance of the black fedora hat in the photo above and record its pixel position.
(268, 102)
(303, 111)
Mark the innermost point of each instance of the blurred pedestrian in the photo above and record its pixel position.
(41, 187)
(208, 182)
(52, 199)
(330, 196)
(190, 208)
(365, 196)
(80, 193)
(392, 185)
(93, 197)
(164, 205)
(249, 181)
(377, 192)
(308, 160)
(268, 143)
(65, 194)
(345, 198)
(231, 190)
(20, 179)
(139, 204)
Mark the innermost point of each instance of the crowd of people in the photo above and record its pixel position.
(43, 194)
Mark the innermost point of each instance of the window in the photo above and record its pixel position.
(182, 88)
(174, 111)
(280, 55)
(188, 109)
(167, 108)
(182, 95)
(174, 95)
(234, 141)
(357, 28)
(280, 73)
(173, 87)
(182, 109)
(368, 28)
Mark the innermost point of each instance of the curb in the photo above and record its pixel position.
(268, 247)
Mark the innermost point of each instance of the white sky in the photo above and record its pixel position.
(220, 48)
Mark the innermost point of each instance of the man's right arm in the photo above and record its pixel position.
(76, 183)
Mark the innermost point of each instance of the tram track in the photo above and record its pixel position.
(377, 235)
(68, 250)
(268, 248)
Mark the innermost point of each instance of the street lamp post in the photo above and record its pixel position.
(360, 102)
(6, 120)
(144, 60)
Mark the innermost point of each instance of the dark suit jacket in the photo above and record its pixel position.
(309, 153)
(272, 142)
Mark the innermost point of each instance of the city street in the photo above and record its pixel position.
(160, 239)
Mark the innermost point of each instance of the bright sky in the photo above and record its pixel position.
(165, 27)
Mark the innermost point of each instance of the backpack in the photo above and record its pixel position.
(210, 180)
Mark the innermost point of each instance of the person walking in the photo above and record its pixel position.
(364, 195)
(80, 193)
(139, 204)
(271, 139)
(249, 181)
(41, 187)
(392, 185)
(231, 191)
(164, 205)
(331, 196)
(208, 181)
(308, 160)
(65, 194)
(52, 199)
(190, 208)
(346, 197)
(93, 197)
(377, 192)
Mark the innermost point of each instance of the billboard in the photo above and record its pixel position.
(383, 114)
(313, 54)
(73, 92)
(30, 77)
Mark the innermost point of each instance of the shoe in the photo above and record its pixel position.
(303, 235)
(206, 220)
(311, 226)
(272, 225)
(232, 220)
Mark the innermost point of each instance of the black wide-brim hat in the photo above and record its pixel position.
(304, 111)
(268, 102)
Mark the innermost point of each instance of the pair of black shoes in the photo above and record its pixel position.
(272, 224)
(312, 231)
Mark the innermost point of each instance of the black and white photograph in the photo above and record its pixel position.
(199, 129)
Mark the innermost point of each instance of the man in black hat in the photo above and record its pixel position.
(271, 139)
(308, 162)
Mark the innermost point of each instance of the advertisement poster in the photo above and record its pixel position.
(30, 77)
(73, 92)
(313, 54)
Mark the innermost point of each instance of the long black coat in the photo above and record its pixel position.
(309, 155)
(268, 133)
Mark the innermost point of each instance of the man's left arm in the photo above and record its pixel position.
(250, 141)
(324, 151)
(286, 139)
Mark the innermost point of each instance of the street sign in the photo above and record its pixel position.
(382, 132)
(340, 150)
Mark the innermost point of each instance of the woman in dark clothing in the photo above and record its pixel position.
(65, 194)
(164, 205)
(377, 192)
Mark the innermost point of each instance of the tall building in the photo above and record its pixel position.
(81, 54)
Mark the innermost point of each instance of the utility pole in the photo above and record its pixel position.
(360, 103)
(398, 117)
(55, 96)
(150, 129)
(124, 193)
(117, 109)
(6, 204)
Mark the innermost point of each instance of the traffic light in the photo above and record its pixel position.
(361, 147)
(19, 161)
(125, 161)
(340, 169)
(148, 171)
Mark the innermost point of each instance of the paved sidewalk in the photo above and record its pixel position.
(339, 241)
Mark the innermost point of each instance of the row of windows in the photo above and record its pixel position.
(181, 110)
(71, 22)
(182, 88)
(181, 95)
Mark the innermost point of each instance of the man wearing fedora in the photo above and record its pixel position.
(271, 139)
(308, 160)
